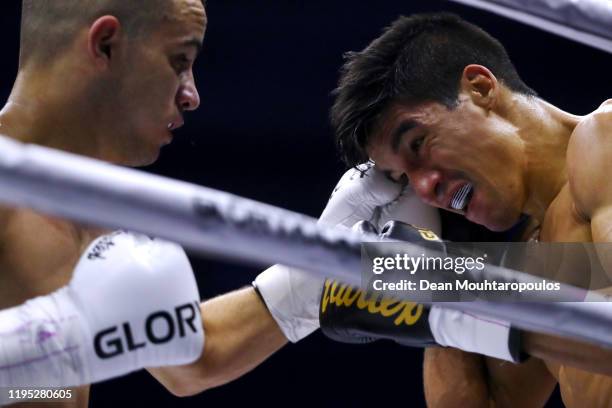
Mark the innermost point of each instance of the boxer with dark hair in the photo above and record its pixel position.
(437, 104)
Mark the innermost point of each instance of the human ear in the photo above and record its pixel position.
(480, 84)
(102, 38)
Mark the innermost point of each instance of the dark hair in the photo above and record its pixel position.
(417, 59)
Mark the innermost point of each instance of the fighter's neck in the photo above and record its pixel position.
(545, 131)
(40, 113)
(25, 122)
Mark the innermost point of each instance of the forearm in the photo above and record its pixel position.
(454, 378)
(569, 352)
(240, 334)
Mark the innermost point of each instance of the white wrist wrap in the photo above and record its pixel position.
(42, 343)
(471, 333)
(292, 297)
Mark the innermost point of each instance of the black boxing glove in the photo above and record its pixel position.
(351, 315)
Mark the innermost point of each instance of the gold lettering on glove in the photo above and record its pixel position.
(342, 295)
(429, 235)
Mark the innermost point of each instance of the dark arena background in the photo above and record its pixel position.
(265, 78)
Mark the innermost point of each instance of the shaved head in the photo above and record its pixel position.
(110, 79)
(50, 26)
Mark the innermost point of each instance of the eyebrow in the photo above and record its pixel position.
(403, 127)
(193, 42)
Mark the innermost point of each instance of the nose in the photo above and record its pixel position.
(187, 97)
(426, 183)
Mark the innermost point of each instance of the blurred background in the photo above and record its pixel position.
(265, 77)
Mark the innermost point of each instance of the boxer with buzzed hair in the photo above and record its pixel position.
(114, 88)
(108, 79)
(50, 27)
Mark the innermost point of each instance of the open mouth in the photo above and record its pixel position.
(462, 197)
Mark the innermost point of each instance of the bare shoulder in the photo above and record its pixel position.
(607, 104)
(593, 127)
(589, 160)
(37, 255)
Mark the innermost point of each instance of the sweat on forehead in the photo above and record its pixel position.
(47, 26)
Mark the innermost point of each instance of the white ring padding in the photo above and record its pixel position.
(586, 21)
(224, 225)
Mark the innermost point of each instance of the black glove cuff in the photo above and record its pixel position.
(515, 345)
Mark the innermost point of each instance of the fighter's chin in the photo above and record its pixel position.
(493, 217)
(151, 148)
(150, 159)
(499, 225)
(492, 224)
(144, 157)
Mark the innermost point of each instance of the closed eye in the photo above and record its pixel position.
(181, 63)
(416, 144)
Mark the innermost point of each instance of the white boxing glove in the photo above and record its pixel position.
(133, 302)
(366, 194)
(293, 296)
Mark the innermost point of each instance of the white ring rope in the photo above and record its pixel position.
(224, 225)
(585, 21)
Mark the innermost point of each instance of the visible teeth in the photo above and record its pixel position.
(170, 125)
(460, 198)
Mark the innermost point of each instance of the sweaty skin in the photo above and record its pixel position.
(580, 212)
(522, 155)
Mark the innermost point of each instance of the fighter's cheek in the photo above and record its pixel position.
(450, 160)
(439, 155)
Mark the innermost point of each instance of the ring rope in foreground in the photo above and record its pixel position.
(215, 223)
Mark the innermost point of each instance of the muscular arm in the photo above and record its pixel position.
(589, 159)
(589, 163)
(240, 334)
(456, 378)
(502, 384)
